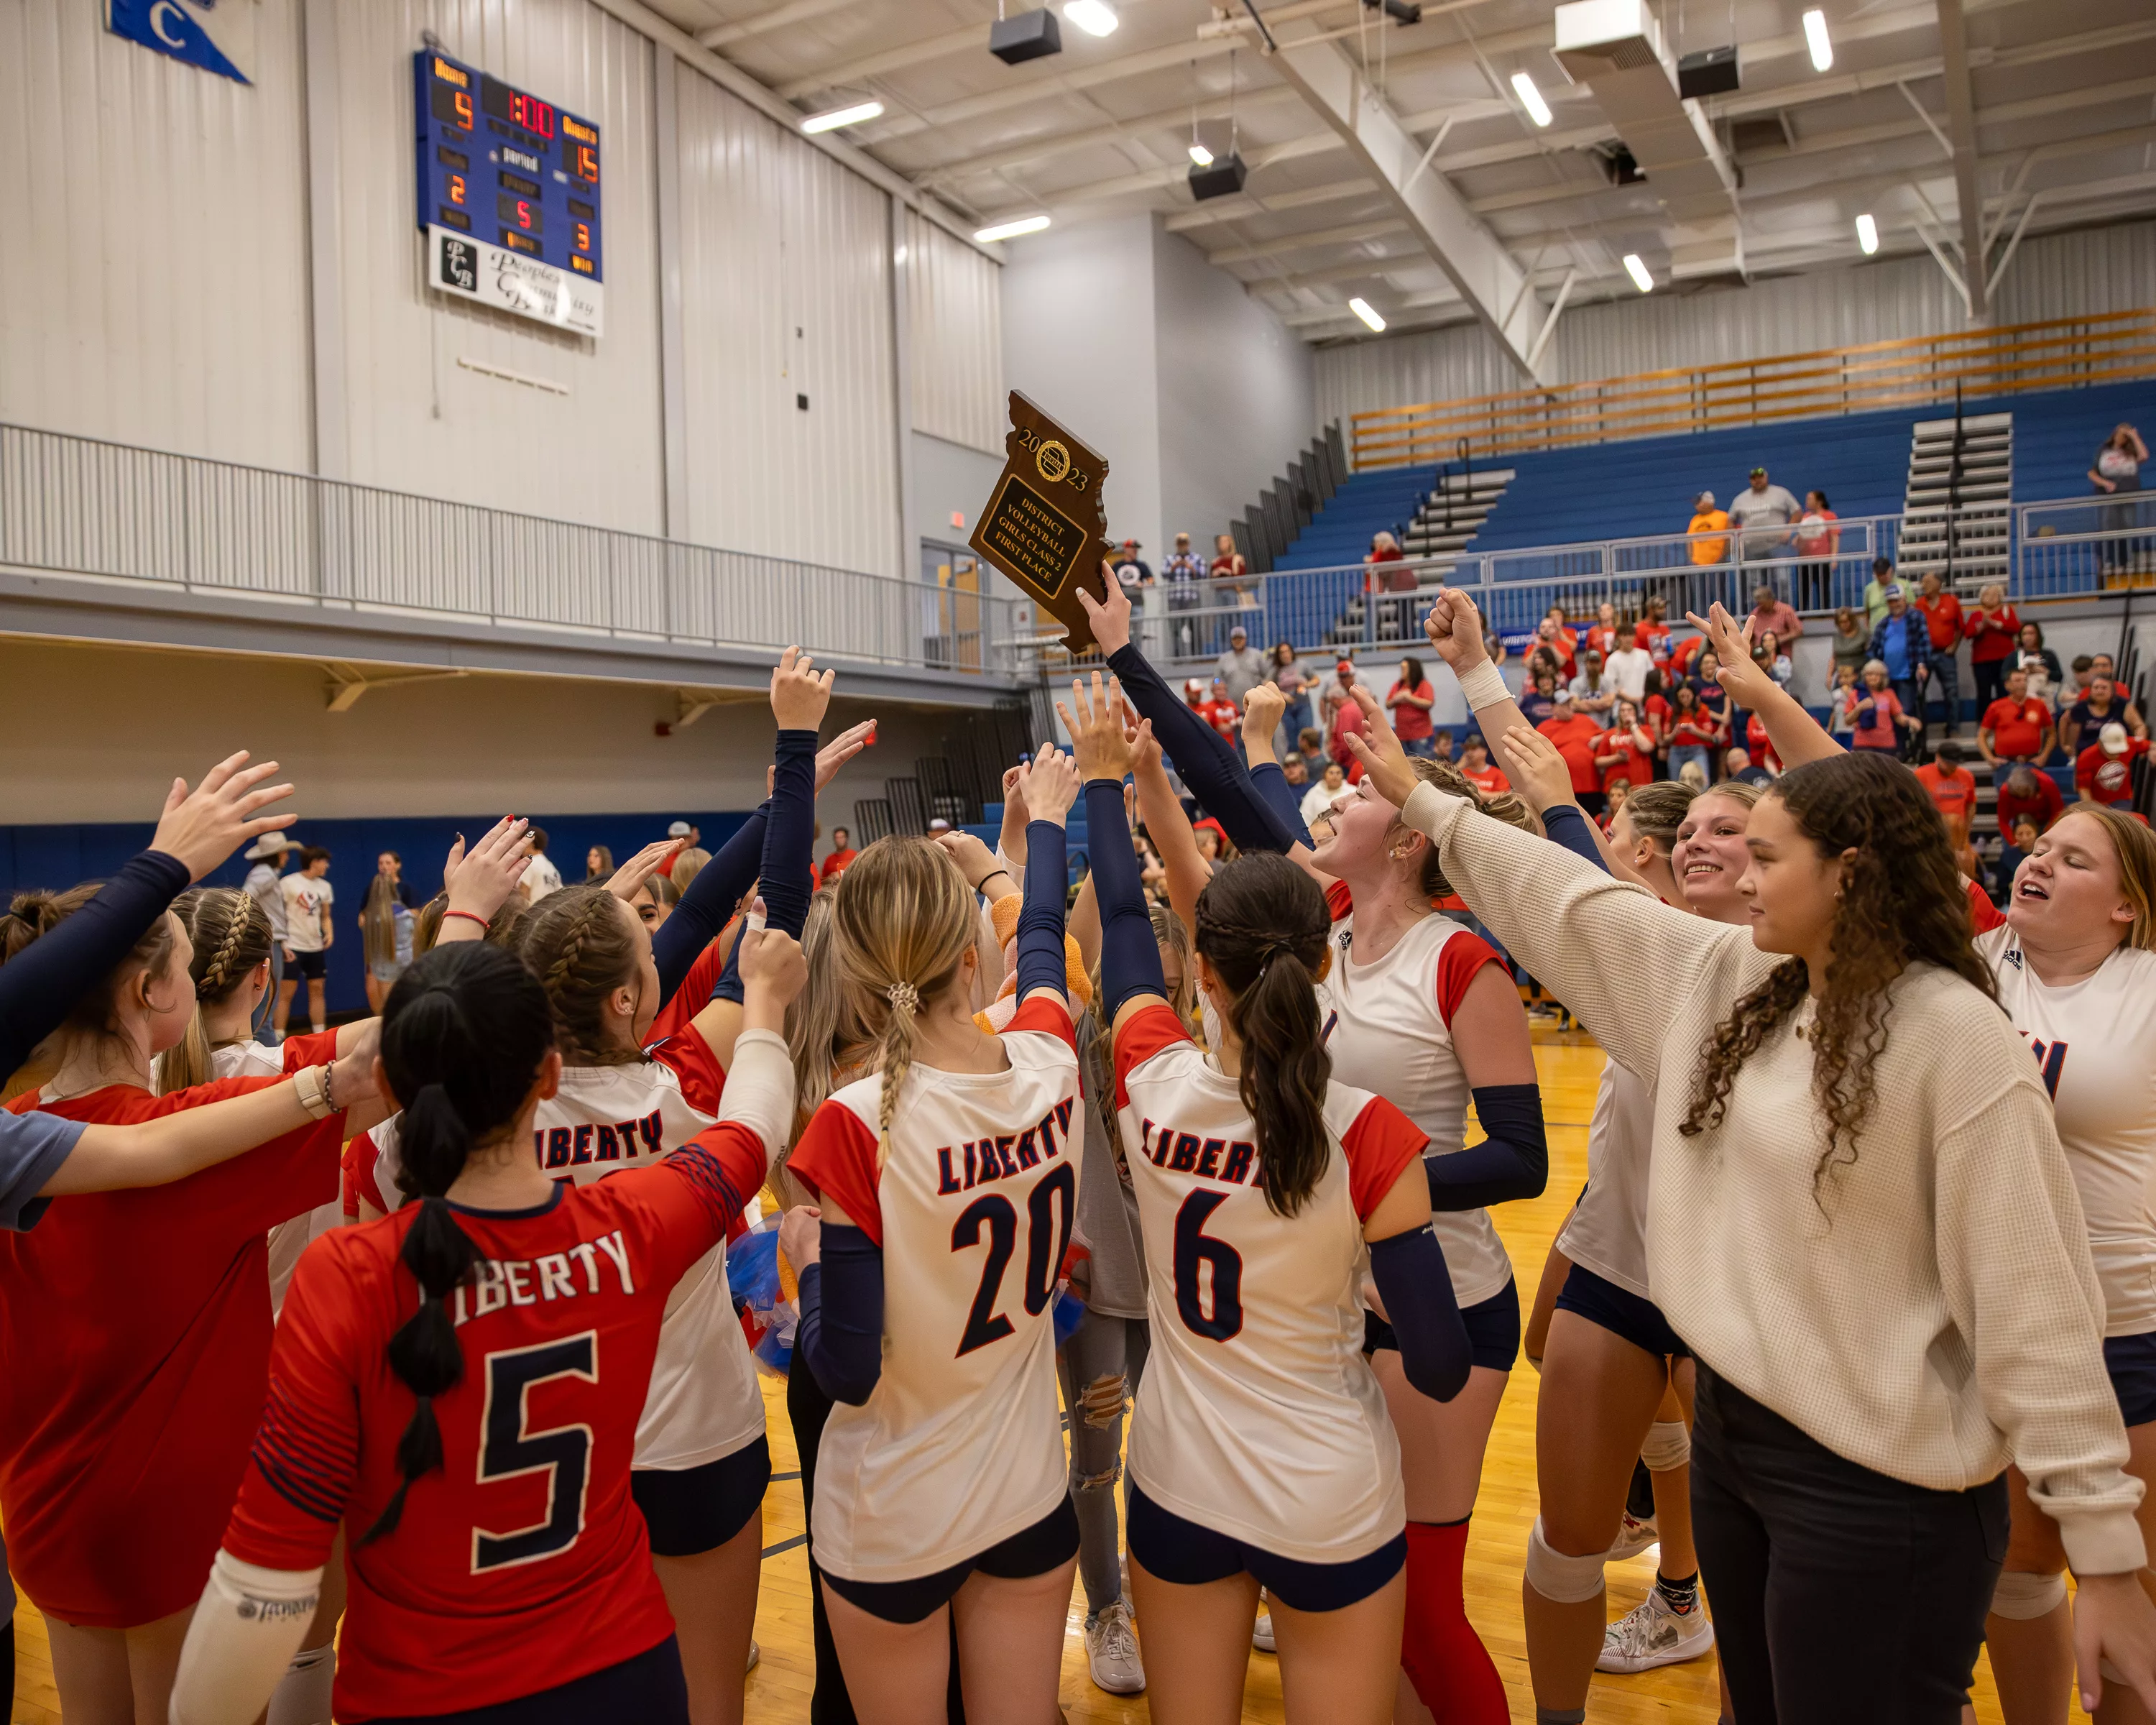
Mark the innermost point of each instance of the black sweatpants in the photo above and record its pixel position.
(1838, 1594)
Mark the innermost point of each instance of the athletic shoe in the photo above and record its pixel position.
(1541, 1014)
(1261, 1636)
(1634, 1537)
(755, 1653)
(1652, 1635)
(1111, 1652)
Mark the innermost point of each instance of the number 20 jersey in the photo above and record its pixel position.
(1258, 1414)
(960, 1445)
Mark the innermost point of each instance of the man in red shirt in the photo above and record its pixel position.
(2018, 728)
(2103, 772)
(1942, 615)
(1577, 737)
(1951, 788)
(2028, 792)
(1769, 610)
(1222, 714)
(834, 865)
(1651, 633)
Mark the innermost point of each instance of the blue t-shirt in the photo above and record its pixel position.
(32, 1148)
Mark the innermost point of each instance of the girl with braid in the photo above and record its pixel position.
(458, 1386)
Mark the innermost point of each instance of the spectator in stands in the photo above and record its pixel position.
(1683, 655)
(1440, 746)
(1539, 702)
(1339, 693)
(1709, 529)
(1951, 788)
(1991, 629)
(1655, 715)
(2102, 665)
(1228, 563)
(2103, 772)
(1943, 623)
(1774, 657)
(2028, 792)
(599, 864)
(2018, 726)
(1629, 666)
(1764, 512)
(1241, 668)
(693, 838)
(541, 877)
(1625, 753)
(1841, 698)
(1295, 680)
(842, 854)
(1310, 744)
(1406, 705)
(1880, 717)
(1348, 722)
(1565, 640)
(2014, 849)
(2115, 472)
(1132, 570)
(1851, 645)
(1321, 796)
(2079, 723)
(1903, 644)
(1577, 737)
(1592, 693)
(1818, 545)
(1772, 615)
(1760, 746)
(1737, 764)
(1477, 768)
(1875, 593)
(1541, 660)
(1183, 574)
(1220, 711)
(2047, 681)
(1713, 698)
(1694, 734)
(1652, 632)
(1602, 634)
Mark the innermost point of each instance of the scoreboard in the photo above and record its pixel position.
(508, 197)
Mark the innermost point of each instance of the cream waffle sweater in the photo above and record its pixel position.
(1935, 1314)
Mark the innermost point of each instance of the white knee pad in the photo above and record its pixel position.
(1564, 1580)
(2021, 1596)
(1668, 1445)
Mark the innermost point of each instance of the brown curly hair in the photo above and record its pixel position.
(1902, 902)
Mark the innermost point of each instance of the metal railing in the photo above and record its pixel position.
(75, 505)
(2035, 551)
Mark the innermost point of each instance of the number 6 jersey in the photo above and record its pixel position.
(960, 1445)
(1257, 1414)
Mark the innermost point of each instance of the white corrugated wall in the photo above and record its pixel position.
(154, 216)
(416, 420)
(2058, 275)
(954, 298)
(786, 292)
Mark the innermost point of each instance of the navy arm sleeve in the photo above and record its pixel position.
(1417, 1289)
(1271, 783)
(1040, 924)
(1203, 756)
(39, 987)
(1567, 826)
(840, 1332)
(708, 904)
(789, 835)
(1512, 1161)
(1130, 956)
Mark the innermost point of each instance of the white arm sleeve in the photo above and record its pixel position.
(759, 1090)
(246, 1629)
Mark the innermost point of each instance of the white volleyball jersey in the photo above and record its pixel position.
(2095, 1044)
(704, 1402)
(1258, 1414)
(1389, 1030)
(287, 1239)
(1608, 1230)
(960, 1445)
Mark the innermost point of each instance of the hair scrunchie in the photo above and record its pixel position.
(903, 998)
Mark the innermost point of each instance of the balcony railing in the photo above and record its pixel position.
(74, 506)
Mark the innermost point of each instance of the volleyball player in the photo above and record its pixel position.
(1260, 1450)
(477, 1450)
(1873, 1255)
(2076, 967)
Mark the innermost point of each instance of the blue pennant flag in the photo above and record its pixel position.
(170, 28)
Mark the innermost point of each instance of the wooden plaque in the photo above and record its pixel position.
(1043, 525)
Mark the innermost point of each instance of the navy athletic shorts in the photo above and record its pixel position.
(1493, 1330)
(2131, 1360)
(1621, 1312)
(1048, 1544)
(1166, 1545)
(648, 1689)
(692, 1510)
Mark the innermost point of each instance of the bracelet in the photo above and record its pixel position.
(329, 1081)
(1484, 685)
(470, 917)
(312, 1089)
(984, 887)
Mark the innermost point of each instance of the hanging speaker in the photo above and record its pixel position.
(1710, 72)
(1223, 179)
(1029, 36)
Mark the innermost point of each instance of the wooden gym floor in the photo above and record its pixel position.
(778, 1690)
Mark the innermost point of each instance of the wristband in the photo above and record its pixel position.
(1484, 685)
(470, 917)
(312, 1089)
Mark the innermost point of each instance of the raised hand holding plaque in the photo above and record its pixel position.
(1043, 525)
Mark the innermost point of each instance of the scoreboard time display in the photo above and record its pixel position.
(508, 197)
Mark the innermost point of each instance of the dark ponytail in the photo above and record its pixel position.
(1262, 925)
(464, 1034)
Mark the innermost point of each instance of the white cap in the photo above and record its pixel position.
(939, 825)
(2113, 737)
(1193, 686)
(1706, 497)
(679, 830)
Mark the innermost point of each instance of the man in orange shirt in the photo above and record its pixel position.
(1577, 737)
(1951, 788)
(842, 853)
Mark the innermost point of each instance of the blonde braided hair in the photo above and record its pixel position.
(581, 945)
(903, 920)
(231, 937)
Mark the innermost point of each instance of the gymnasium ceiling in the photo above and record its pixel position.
(2060, 96)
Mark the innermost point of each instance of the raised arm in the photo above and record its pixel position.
(1262, 709)
(1169, 828)
(1794, 734)
(1455, 628)
(1049, 784)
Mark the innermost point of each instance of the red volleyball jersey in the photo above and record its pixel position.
(134, 1334)
(522, 1563)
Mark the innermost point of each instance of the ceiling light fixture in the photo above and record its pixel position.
(1010, 230)
(1531, 99)
(833, 118)
(1200, 155)
(1096, 18)
(1868, 234)
(1362, 309)
(1637, 271)
(1815, 39)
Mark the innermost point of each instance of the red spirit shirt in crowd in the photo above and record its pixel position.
(2017, 728)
